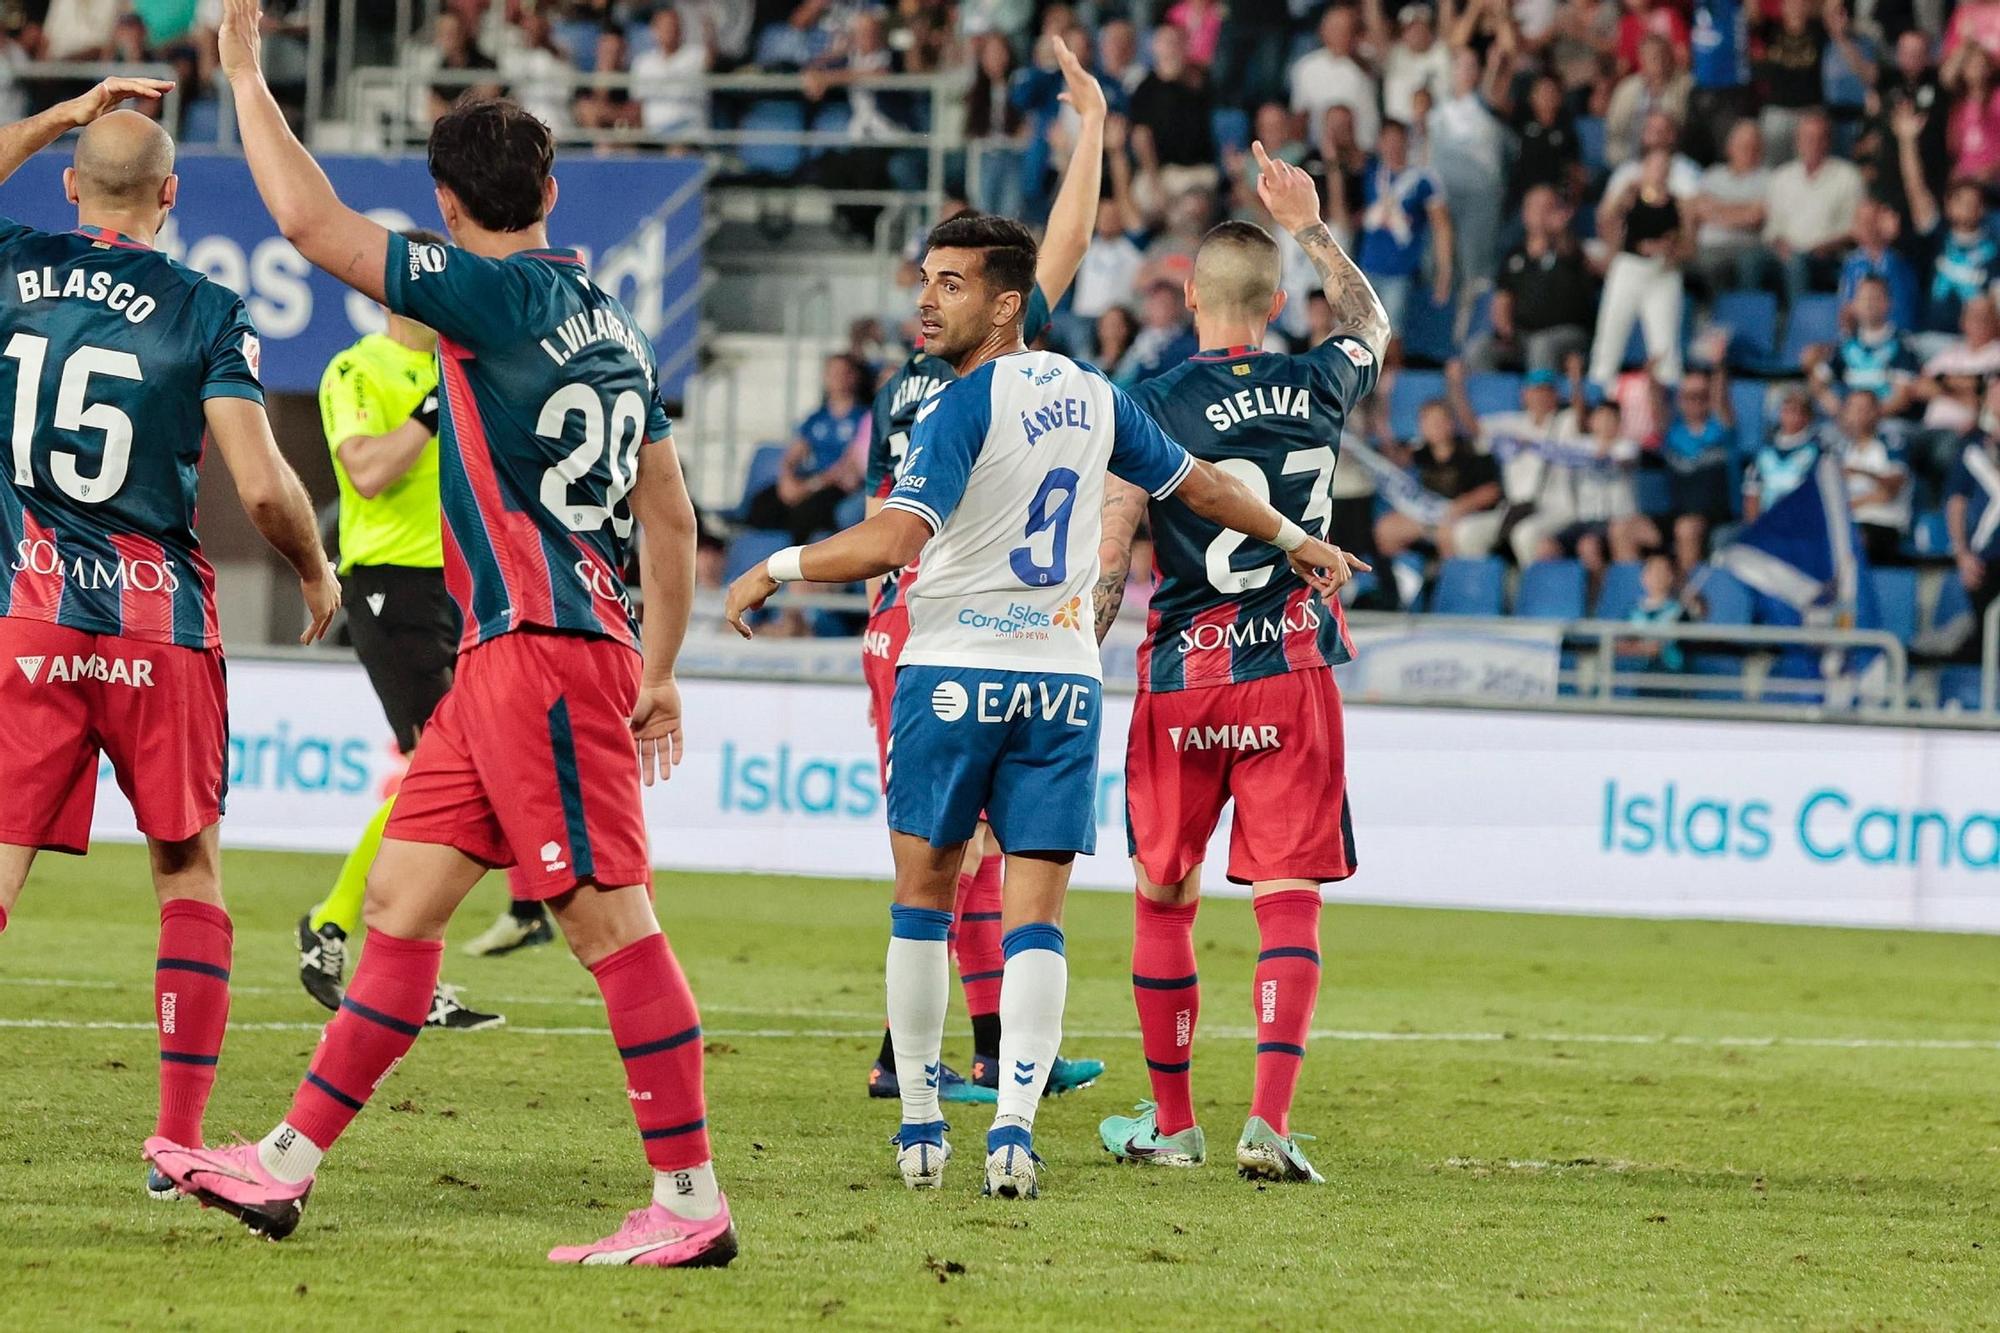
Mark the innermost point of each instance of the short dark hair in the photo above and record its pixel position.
(495, 157)
(1007, 246)
(422, 236)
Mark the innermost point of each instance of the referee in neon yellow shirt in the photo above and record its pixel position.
(378, 405)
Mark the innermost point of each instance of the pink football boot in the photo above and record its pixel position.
(234, 1180)
(653, 1237)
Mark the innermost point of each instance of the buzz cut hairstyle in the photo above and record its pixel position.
(496, 157)
(1237, 268)
(1007, 247)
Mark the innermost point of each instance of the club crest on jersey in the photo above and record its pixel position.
(1226, 737)
(1359, 355)
(1063, 413)
(1265, 400)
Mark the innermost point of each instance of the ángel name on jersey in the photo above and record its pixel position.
(1264, 400)
(77, 284)
(1064, 413)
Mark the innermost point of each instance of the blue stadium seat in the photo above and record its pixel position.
(1413, 388)
(1959, 685)
(773, 159)
(1929, 538)
(1952, 603)
(763, 472)
(1231, 127)
(1747, 398)
(1728, 599)
(1619, 592)
(1590, 142)
(1469, 587)
(1896, 597)
(831, 118)
(851, 510)
(1752, 318)
(1653, 492)
(1552, 590)
(1491, 393)
(1427, 328)
(202, 122)
(1815, 319)
(579, 37)
(749, 549)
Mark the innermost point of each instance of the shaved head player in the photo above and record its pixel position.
(116, 361)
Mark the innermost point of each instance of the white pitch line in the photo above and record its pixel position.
(1221, 1033)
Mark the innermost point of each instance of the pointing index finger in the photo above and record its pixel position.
(1263, 158)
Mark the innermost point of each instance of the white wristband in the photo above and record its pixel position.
(783, 566)
(1290, 536)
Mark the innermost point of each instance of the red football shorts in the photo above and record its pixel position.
(529, 762)
(881, 649)
(1273, 746)
(159, 712)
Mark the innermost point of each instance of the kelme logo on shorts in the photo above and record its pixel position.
(949, 701)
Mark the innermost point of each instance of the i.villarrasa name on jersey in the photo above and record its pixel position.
(598, 325)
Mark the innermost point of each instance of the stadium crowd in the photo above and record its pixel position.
(1582, 215)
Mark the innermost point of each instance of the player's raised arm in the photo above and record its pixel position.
(24, 138)
(1073, 215)
(665, 514)
(300, 198)
(1294, 203)
(275, 501)
(1124, 504)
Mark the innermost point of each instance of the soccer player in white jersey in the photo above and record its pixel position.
(997, 694)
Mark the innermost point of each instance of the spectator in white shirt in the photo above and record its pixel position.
(1657, 85)
(538, 71)
(1333, 75)
(1729, 211)
(1878, 480)
(1413, 58)
(1949, 386)
(1809, 214)
(668, 77)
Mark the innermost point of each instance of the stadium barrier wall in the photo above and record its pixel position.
(1820, 823)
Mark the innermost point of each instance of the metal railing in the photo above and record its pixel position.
(85, 72)
(1989, 661)
(381, 101)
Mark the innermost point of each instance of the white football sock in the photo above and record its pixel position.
(1032, 993)
(691, 1193)
(289, 1155)
(919, 986)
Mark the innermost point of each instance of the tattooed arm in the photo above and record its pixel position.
(1294, 203)
(1124, 505)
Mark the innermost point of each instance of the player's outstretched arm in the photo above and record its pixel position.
(1294, 203)
(1073, 215)
(1220, 498)
(276, 502)
(1124, 504)
(300, 198)
(666, 519)
(871, 548)
(24, 138)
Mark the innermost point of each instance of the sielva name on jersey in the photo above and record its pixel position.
(77, 284)
(89, 574)
(1229, 736)
(1265, 400)
(1252, 633)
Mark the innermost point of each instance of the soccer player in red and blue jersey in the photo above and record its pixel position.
(117, 360)
(554, 445)
(1236, 693)
(975, 936)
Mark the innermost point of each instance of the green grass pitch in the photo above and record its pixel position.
(1524, 1121)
